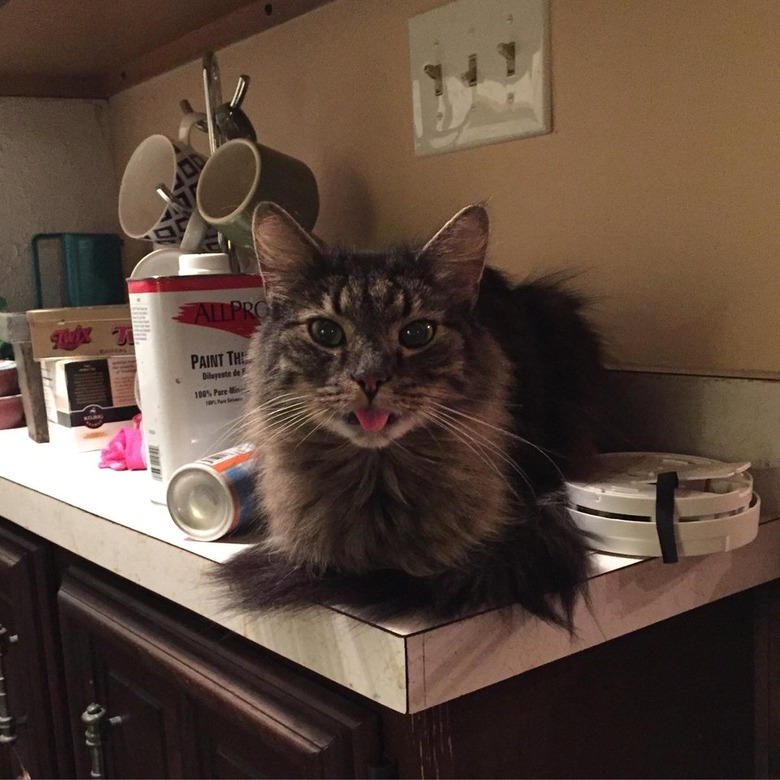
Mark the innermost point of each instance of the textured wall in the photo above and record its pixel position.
(661, 177)
(56, 175)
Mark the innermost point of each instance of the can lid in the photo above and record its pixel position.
(204, 263)
(200, 504)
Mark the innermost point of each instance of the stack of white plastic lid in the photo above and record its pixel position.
(715, 509)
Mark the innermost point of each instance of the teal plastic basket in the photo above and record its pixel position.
(87, 272)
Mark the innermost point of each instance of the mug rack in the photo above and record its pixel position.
(222, 122)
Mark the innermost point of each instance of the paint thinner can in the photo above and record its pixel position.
(214, 496)
(191, 338)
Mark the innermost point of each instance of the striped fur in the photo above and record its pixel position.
(452, 504)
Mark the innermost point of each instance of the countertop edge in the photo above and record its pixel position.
(357, 655)
(446, 661)
(409, 667)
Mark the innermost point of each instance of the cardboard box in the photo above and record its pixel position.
(91, 331)
(88, 399)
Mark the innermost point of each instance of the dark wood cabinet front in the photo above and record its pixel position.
(31, 739)
(105, 679)
(183, 699)
(675, 699)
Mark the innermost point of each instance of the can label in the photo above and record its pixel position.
(191, 338)
(221, 461)
(234, 466)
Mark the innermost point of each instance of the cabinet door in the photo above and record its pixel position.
(35, 737)
(191, 700)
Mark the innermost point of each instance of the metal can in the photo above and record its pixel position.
(191, 338)
(214, 496)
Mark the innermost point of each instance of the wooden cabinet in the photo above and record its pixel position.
(692, 696)
(182, 699)
(675, 699)
(30, 735)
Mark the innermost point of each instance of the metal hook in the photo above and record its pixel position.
(167, 196)
(186, 109)
(240, 93)
(213, 93)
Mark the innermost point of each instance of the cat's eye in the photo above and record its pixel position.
(417, 334)
(326, 332)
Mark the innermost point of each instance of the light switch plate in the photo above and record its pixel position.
(463, 52)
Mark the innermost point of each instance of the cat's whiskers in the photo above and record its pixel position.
(471, 443)
(261, 423)
(282, 425)
(494, 448)
(282, 398)
(396, 445)
(418, 456)
(541, 450)
(262, 415)
(453, 410)
(233, 433)
(316, 428)
(260, 412)
(265, 419)
(239, 430)
(295, 407)
(296, 424)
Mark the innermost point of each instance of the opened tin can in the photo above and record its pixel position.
(214, 496)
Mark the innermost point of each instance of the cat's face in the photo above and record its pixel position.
(367, 355)
(368, 346)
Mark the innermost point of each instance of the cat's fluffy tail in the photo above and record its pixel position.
(256, 580)
(540, 563)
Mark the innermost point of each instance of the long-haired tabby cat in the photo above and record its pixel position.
(413, 413)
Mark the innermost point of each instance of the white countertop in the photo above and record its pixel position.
(107, 518)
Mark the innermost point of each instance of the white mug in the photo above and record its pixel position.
(143, 214)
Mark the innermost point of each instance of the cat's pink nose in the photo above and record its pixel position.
(369, 384)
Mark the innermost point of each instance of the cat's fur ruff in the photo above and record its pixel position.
(451, 504)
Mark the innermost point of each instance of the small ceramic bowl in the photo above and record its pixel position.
(11, 412)
(9, 378)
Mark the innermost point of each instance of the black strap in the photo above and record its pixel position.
(664, 515)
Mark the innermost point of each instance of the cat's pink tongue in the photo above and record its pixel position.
(371, 419)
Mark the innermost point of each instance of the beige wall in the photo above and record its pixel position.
(56, 175)
(661, 178)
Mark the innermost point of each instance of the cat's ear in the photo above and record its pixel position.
(457, 253)
(285, 251)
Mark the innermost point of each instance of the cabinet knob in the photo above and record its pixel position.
(94, 718)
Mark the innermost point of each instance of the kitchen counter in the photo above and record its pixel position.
(106, 517)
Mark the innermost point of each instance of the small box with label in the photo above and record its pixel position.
(88, 331)
(88, 400)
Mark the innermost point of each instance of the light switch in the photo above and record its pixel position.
(480, 73)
